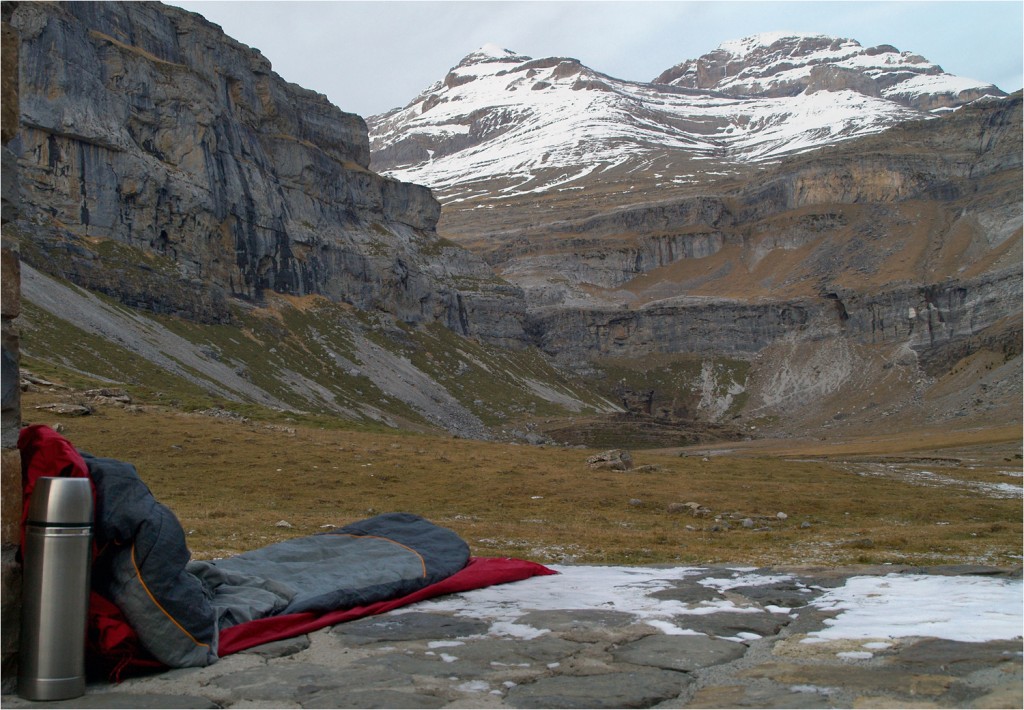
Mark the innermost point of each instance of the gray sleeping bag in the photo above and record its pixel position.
(178, 607)
(384, 557)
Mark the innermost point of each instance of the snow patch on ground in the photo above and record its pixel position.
(959, 608)
(919, 477)
(963, 608)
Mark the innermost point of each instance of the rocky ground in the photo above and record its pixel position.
(731, 638)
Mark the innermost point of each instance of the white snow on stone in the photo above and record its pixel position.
(743, 580)
(474, 686)
(855, 655)
(959, 608)
(817, 689)
(519, 631)
(878, 645)
(622, 589)
(445, 644)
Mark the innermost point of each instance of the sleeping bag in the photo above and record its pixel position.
(176, 609)
(141, 567)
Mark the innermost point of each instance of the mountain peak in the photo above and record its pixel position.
(779, 64)
(796, 42)
(491, 52)
(504, 122)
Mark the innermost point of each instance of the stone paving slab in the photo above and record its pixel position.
(679, 653)
(642, 688)
(741, 646)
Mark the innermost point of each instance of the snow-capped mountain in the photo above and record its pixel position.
(502, 124)
(781, 64)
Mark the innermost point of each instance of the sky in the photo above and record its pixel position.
(973, 609)
(369, 57)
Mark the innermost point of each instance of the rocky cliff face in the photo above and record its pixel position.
(904, 247)
(926, 318)
(552, 172)
(919, 203)
(156, 133)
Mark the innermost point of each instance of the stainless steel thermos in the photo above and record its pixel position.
(55, 589)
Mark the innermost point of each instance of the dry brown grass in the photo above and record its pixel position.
(231, 482)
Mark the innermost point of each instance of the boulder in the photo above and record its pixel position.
(613, 460)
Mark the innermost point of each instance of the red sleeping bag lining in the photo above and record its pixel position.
(113, 647)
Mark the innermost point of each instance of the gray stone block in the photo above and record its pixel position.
(282, 648)
(118, 700)
(633, 689)
(576, 619)
(382, 698)
(407, 627)
(731, 623)
(679, 652)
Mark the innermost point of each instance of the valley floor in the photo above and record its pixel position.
(864, 571)
(986, 460)
(924, 497)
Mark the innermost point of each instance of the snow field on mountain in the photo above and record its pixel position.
(553, 123)
(553, 128)
(562, 115)
(931, 84)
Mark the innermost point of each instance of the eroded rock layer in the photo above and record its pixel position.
(911, 236)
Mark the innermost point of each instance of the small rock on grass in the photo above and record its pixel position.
(613, 460)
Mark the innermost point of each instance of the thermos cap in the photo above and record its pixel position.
(61, 501)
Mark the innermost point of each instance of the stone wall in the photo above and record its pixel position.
(10, 307)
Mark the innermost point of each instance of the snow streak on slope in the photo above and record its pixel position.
(538, 124)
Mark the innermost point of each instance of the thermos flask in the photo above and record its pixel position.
(55, 589)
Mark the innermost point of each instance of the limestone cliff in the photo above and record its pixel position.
(867, 239)
(168, 165)
(927, 318)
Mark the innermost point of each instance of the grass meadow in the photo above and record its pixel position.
(238, 485)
